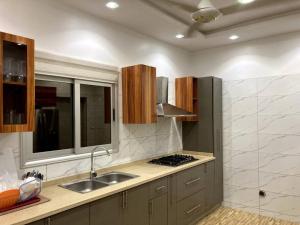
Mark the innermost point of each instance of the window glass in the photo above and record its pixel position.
(95, 115)
(54, 116)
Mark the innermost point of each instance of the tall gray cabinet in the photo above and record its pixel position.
(205, 135)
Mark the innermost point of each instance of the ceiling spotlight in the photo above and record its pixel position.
(112, 5)
(179, 36)
(234, 37)
(246, 1)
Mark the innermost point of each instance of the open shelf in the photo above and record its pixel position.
(187, 96)
(14, 83)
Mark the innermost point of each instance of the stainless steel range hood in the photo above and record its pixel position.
(163, 108)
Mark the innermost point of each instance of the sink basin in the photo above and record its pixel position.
(114, 178)
(84, 186)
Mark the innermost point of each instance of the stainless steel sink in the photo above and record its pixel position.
(84, 186)
(114, 178)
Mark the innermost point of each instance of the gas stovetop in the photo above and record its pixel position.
(173, 160)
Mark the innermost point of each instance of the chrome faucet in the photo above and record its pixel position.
(93, 173)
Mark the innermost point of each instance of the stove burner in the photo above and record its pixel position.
(173, 160)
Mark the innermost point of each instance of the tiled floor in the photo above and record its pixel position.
(227, 216)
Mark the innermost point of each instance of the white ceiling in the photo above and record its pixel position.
(281, 16)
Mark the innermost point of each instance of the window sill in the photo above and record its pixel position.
(66, 158)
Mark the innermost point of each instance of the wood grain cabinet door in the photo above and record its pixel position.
(107, 211)
(76, 216)
(139, 94)
(136, 210)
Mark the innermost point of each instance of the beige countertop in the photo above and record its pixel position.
(62, 199)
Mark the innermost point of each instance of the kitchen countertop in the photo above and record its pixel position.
(62, 199)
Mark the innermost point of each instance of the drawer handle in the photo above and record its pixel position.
(151, 207)
(160, 188)
(193, 181)
(49, 221)
(124, 199)
(193, 209)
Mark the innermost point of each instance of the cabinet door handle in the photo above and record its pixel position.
(123, 200)
(151, 207)
(49, 221)
(193, 209)
(160, 188)
(193, 181)
(126, 199)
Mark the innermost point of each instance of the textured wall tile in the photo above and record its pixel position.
(241, 124)
(240, 105)
(247, 197)
(279, 144)
(282, 85)
(240, 88)
(282, 204)
(286, 104)
(278, 183)
(64, 169)
(243, 160)
(240, 141)
(279, 124)
(277, 163)
(241, 177)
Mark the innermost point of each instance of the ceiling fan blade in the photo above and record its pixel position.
(184, 6)
(241, 8)
(192, 30)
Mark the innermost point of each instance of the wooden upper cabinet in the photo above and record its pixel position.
(16, 83)
(186, 96)
(139, 94)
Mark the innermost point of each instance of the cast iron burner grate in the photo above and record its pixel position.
(173, 160)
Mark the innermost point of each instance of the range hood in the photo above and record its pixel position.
(163, 108)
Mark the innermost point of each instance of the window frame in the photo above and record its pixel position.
(30, 159)
(77, 128)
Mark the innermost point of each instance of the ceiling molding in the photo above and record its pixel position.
(250, 22)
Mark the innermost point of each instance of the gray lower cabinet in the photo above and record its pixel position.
(211, 186)
(158, 203)
(179, 199)
(76, 216)
(127, 208)
(136, 210)
(39, 222)
(189, 195)
(158, 210)
(107, 211)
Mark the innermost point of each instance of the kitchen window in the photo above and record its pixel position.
(72, 117)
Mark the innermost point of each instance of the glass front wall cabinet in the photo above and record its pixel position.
(16, 83)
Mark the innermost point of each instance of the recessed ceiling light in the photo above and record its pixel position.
(246, 1)
(112, 5)
(234, 37)
(179, 36)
